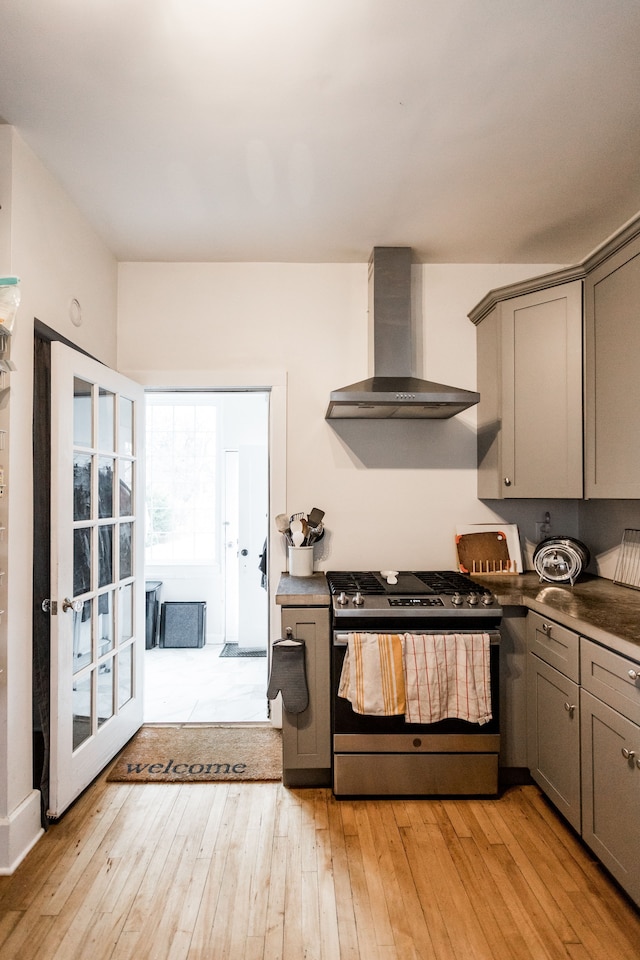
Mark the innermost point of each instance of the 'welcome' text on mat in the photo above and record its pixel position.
(181, 753)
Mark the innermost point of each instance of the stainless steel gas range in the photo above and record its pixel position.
(393, 755)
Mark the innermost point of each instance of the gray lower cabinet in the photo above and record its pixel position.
(553, 713)
(611, 762)
(306, 736)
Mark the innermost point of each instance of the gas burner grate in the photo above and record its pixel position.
(449, 582)
(364, 582)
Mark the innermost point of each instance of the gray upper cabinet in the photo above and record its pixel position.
(530, 383)
(612, 376)
(542, 389)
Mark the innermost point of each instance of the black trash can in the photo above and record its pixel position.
(152, 612)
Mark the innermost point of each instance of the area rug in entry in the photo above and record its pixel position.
(235, 650)
(197, 752)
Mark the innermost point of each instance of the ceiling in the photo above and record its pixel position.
(312, 130)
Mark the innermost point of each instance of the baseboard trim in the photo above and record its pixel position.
(19, 833)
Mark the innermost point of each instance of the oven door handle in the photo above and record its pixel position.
(340, 639)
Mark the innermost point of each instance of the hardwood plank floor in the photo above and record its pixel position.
(254, 871)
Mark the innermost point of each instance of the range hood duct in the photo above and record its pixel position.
(393, 392)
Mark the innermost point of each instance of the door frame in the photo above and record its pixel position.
(274, 382)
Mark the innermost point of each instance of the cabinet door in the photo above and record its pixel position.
(306, 737)
(612, 381)
(489, 409)
(610, 790)
(553, 714)
(541, 393)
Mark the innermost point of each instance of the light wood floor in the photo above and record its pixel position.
(259, 872)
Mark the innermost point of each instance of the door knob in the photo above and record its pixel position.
(75, 605)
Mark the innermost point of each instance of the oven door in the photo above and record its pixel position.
(382, 756)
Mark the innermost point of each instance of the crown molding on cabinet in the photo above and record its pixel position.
(579, 271)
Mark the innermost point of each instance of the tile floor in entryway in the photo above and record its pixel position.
(196, 685)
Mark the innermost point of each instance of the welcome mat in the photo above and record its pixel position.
(235, 650)
(185, 753)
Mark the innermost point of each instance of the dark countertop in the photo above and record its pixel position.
(310, 591)
(596, 608)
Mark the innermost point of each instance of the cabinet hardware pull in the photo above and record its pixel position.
(570, 708)
(628, 754)
(634, 674)
(546, 628)
(507, 481)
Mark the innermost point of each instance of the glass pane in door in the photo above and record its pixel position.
(105, 555)
(82, 486)
(125, 675)
(105, 487)
(82, 636)
(105, 692)
(106, 420)
(82, 413)
(82, 709)
(81, 560)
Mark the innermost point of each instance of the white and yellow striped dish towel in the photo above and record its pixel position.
(372, 677)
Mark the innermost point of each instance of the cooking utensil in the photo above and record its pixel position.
(315, 517)
(560, 559)
(297, 533)
(282, 523)
(315, 534)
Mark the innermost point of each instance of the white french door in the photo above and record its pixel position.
(97, 569)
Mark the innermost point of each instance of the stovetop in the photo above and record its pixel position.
(416, 594)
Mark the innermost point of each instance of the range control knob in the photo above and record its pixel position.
(472, 599)
(457, 600)
(487, 599)
(358, 601)
(342, 599)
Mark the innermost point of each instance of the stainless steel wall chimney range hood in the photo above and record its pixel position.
(393, 392)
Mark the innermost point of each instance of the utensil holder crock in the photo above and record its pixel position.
(300, 561)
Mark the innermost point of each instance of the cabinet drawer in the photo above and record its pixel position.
(554, 644)
(612, 678)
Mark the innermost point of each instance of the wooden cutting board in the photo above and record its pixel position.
(486, 552)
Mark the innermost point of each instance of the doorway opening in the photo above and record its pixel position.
(207, 506)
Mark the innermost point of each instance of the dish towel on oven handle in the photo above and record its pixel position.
(372, 677)
(447, 675)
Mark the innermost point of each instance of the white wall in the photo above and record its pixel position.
(392, 492)
(58, 257)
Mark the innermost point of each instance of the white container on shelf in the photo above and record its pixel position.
(9, 302)
(300, 561)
